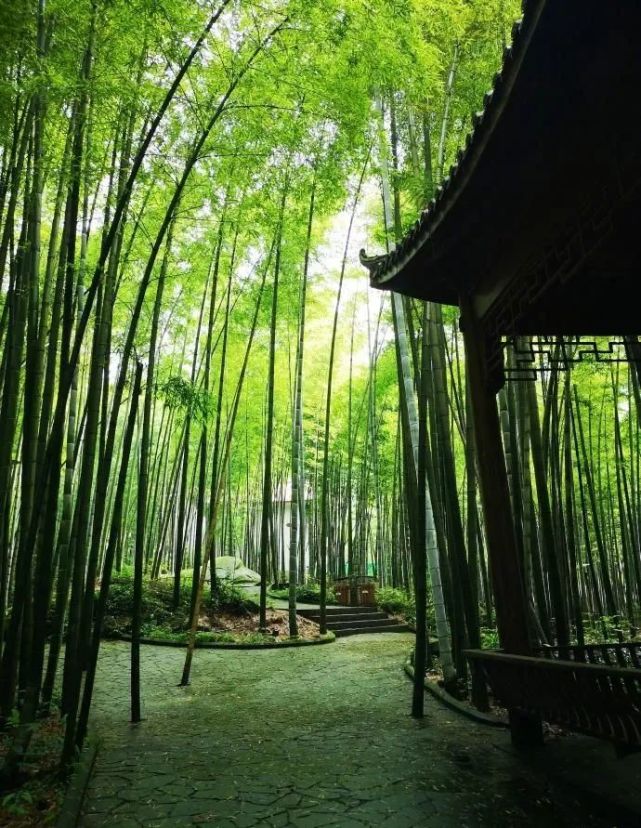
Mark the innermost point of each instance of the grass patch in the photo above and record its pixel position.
(308, 593)
(159, 616)
(230, 616)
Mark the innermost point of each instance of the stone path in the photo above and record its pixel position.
(302, 737)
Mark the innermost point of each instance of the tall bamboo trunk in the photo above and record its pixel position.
(297, 528)
(266, 526)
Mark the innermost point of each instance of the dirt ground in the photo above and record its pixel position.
(277, 624)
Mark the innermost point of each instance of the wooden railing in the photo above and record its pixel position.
(596, 699)
(620, 654)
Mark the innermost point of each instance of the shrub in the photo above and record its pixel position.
(489, 638)
(308, 593)
(157, 605)
(231, 598)
(396, 602)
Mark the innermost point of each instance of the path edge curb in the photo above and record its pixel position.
(329, 638)
(69, 815)
(455, 704)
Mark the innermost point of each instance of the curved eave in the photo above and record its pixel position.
(407, 267)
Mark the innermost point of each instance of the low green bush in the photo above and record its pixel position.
(489, 638)
(158, 613)
(234, 600)
(308, 593)
(598, 628)
(396, 602)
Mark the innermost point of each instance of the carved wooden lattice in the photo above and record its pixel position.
(525, 359)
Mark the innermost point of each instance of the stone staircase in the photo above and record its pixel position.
(354, 620)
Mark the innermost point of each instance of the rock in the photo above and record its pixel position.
(229, 568)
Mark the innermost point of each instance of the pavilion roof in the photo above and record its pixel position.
(385, 267)
(542, 178)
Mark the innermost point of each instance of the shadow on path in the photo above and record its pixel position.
(306, 737)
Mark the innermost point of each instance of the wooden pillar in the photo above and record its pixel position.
(509, 593)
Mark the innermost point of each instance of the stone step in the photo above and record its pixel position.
(307, 613)
(348, 616)
(367, 623)
(353, 620)
(398, 627)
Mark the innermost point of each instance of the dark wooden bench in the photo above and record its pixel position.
(601, 700)
(619, 654)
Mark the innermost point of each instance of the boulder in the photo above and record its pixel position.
(230, 568)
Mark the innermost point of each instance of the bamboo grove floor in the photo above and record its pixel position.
(312, 737)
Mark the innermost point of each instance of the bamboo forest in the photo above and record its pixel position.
(309, 338)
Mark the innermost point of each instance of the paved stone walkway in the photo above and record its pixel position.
(302, 737)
